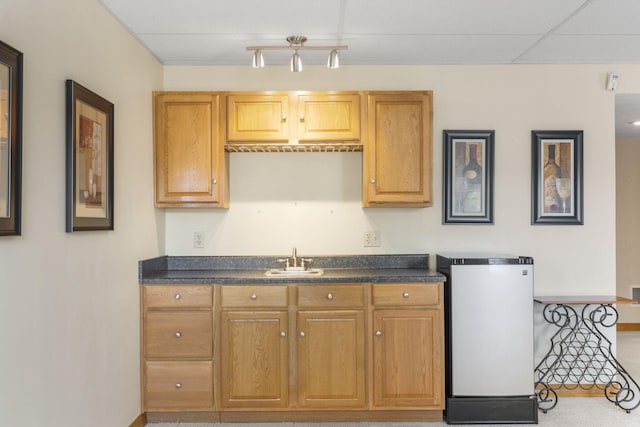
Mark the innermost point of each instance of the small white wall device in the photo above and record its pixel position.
(612, 80)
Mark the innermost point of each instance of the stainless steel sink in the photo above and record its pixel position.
(294, 272)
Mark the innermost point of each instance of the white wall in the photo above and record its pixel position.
(628, 227)
(69, 302)
(312, 201)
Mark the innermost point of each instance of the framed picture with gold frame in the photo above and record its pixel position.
(468, 176)
(557, 178)
(89, 160)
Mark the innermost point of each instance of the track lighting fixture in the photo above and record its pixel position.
(296, 44)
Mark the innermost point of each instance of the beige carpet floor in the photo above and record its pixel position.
(569, 412)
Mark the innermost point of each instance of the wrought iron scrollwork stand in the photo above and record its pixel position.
(581, 356)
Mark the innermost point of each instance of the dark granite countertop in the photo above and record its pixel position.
(250, 270)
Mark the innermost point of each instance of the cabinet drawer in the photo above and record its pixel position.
(254, 296)
(178, 385)
(330, 295)
(178, 296)
(400, 294)
(186, 333)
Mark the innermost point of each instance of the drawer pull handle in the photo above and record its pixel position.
(284, 117)
(330, 296)
(254, 297)
(406, 295)
(178, 334)
(283, 334)
(378, 333)
(178, 386)
(178, 296)
(302, 334)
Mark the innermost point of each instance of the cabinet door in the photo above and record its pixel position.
(408, 358)
(334, 117)
(254, 351)
(189, 155)
(397, 166)
(255, 117)
(331, 362)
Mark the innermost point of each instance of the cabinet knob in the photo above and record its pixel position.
(329, 296)
(254, 297)
(178, 386)
(373, 180)
(302, 334)
(406, 295)
(214, 181)
(178, 334)
(284, 117)
(302, 117)
(283, 334)
(178, 296)
(378, 333)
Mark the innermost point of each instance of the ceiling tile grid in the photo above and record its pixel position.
(381, 32)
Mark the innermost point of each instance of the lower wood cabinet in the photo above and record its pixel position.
(407, 354)
(294, 352)
(177, 348)
(254, 359)
(331, 359)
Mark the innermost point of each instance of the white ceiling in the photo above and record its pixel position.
(403, 32)
(394, 32)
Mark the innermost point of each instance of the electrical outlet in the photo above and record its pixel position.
(198, 239)
(371, 238)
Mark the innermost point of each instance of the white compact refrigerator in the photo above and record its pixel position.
(489, 338)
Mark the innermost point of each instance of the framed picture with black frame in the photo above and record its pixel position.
(468, 176)
(11, 79)
(89, 180)
(557, 177)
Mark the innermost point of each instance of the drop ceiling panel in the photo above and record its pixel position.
(226, 17)
(456, 16)
(585, 49)
(605, 17)
(442, 49)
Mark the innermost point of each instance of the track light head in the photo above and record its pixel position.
(296, 62)
(334, 59)
(258, 59)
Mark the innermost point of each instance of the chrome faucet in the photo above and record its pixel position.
(294, 261)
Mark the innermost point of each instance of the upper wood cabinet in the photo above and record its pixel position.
(397, 164)
(328, 117)
(289, 118)
(189, 150)
(258, 117)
